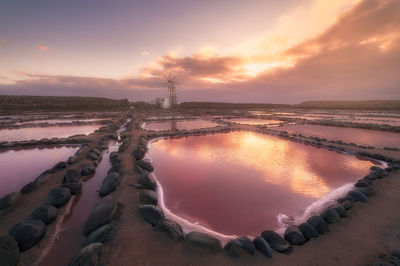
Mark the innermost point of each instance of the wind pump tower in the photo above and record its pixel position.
(172, 89)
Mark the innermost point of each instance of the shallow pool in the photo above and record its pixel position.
(21, 166)
(359, 136)
(239, 183)
(254, 121)
(179, 125)
(37, 133)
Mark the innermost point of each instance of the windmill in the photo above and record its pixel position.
(172, 89)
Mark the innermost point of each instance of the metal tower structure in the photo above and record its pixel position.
(172, 89)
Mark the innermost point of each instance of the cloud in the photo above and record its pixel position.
(4, 42)
(144, 52)
(358, 57)
(42, 48)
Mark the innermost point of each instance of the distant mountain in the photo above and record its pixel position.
(361, 105)
(10, 103)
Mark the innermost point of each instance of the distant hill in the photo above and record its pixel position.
(219, 105)
(10, 103)
(349, 105)
(356, 105)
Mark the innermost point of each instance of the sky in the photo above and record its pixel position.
(259, 51)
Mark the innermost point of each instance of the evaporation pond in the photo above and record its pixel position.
(21, 166)
(179, 124)
(358, 136)
(238, 183)
(37, 133)
(254, 121)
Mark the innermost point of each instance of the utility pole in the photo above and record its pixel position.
(172, 89)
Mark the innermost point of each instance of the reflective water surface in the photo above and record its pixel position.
(71, 238)
(254, 121)
(45, 132)
(238, 183)
(19, 167)
(359, 136)
(54, 121)
(179, 125)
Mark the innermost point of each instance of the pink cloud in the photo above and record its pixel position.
(42, 48)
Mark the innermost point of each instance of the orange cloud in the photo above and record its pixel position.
(4, 42)
(42, 48)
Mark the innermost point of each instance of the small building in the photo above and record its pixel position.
(164, 103)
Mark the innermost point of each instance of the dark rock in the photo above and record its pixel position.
(109, 184)
(145, 165)
(357, 196)
(103, 147)
(139, 154)
(276, 242)
(339, 208)
(75, 188)
(395, 253)
(88, 255)
(308, 231)
(72, 159)
(368, 181)
(294, 236)
(347, 205)
(46, 213)
(347, 198)
(101, 235)
(365, 190)
(87, 170)
(202, 240)
(147, 196)
(147, 181)
(380, 173)
(28, 233)
(42, 177)
(92, 156)
(100, 215)
(262, 246)
(58, 197)
(59, 166)
(116, 161)
(330, 215)
(362, 183)
(172, 229)
(240, 246)
(96, 151)
(114, 169)
(28, 188)
(371, 177)
(71, 176)
(113, 154)
(9, 251)
(151, 214)
(319, 224)
(9, 200)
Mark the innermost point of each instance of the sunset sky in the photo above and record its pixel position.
(285, 51)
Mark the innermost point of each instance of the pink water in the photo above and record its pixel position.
(359, 136)
(179, 125)
(45, 132)
(71, 238)
(54, 121)
(238, 183)
(19, 167)
(254, 121)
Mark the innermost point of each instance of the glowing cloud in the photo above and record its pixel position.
(42, 48)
